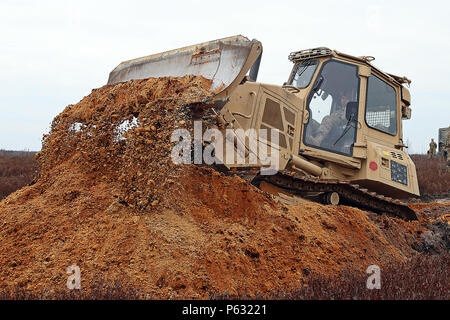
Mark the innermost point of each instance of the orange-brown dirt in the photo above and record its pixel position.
(113, 203)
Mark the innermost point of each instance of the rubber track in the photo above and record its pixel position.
(352, 193)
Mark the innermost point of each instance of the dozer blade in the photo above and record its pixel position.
(224, 61)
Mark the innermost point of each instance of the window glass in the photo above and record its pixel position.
(303, 73)
(381, 106)
(333, 108)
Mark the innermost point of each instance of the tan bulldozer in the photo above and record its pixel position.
(337, 119)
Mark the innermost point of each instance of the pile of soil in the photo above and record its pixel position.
(110, 200)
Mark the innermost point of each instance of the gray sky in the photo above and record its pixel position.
(54, 52)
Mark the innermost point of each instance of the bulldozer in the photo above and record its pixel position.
(338, 120)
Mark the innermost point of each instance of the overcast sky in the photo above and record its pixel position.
(54, 52)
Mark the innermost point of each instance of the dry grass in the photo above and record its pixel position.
(433, 176)
(423, 278)
(100, 290)
(17, 169)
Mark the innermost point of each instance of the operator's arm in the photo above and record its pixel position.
(325, 127)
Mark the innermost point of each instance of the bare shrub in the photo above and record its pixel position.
(432, 174)
(17, 169)
(100, 290)
(422, 278)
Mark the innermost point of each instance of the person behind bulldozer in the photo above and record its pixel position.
(432, 150)
(447, 143)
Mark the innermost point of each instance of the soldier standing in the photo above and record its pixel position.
(433, 146)
(447, 143)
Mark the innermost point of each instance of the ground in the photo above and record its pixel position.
(109, 199)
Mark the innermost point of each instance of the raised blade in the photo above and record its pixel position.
(224, 61)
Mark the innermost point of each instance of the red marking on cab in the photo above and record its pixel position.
(373, 166)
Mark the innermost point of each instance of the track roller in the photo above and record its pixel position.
(331, 198)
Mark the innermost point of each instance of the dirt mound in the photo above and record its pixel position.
(110, 200)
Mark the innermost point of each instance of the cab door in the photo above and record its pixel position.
(333, 107)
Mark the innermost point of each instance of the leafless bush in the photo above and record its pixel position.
(17, 169)
(423, 278)
(433, 176)
(100, 290)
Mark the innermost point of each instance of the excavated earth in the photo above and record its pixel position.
(110, 200)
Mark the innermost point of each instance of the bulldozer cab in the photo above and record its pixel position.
(347, 102)
(331, 105)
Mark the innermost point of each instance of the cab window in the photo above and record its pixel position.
(381, 106)
(303, 73)
(333, 108)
